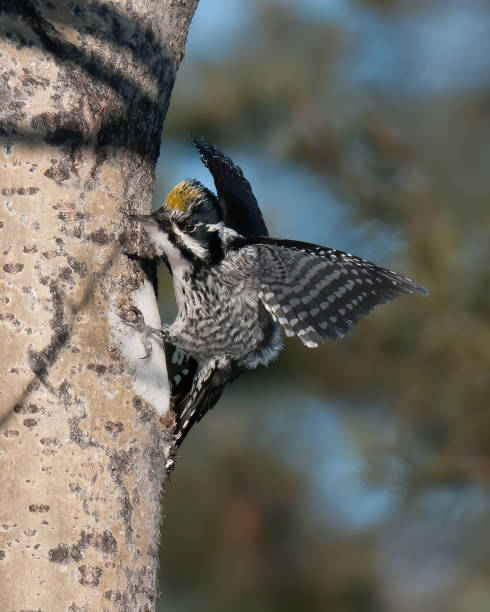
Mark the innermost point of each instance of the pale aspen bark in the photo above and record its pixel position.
(84, 422)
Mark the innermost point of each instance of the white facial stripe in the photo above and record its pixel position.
(227, 234)
(190, 243)
(159, 239)
(163, 246)
(216, 227)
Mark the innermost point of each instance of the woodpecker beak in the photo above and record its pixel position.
(143, 218)
(150, 221)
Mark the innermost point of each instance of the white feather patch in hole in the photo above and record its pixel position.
(148, 376)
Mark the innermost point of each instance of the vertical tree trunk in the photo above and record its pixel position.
(84, 430)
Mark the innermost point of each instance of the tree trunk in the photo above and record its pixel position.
(85, 429)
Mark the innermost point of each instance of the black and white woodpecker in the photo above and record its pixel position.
(236, 288)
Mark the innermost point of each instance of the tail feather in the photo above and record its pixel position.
(202, 396)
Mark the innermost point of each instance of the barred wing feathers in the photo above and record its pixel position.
(317, 293)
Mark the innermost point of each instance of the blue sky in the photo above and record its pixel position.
(444, 45)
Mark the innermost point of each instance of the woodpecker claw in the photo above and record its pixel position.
(147, 345)
(137, 320)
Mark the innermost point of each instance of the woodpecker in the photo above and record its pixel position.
(239, 210)
(236, 293)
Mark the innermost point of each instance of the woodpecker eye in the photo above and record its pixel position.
(189, 228)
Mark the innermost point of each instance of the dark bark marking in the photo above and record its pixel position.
(126, 515)
(27, 409)
(30, 532)
(60, 554)
(103, 541)
(39, 508)
(98, 368)
(30, 423)
(144, 410)
(77, 435)
(58, 172)
(13, 268)
(114, 428)
(51, 445)
(120, 600)
(9, 316)
(19, 190)
(100, 236)
(79, 267)
(50, 254)
(73, 606)
(90, 576)
(121, 463)
(66, 274)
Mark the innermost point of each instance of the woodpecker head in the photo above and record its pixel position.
(191, 202)
(187, 225)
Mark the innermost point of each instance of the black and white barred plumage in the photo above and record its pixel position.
(234, 293)
(239, 210)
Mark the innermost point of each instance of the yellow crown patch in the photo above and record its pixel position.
(183, 194)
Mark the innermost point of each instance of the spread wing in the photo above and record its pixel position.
(315, 292)
(240, 208)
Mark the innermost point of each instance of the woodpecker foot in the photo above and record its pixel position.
(136, 319)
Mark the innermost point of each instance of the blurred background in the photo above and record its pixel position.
(353, 477)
